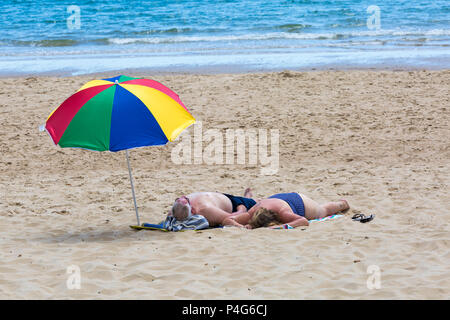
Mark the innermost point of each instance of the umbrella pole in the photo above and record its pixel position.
(132, 188)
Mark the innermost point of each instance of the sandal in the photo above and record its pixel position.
(362, 218)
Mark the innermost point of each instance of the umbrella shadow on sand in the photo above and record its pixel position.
(88, 235)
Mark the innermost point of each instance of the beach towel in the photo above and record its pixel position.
(287, 226)
(195, 222)
(199, 222)
(334, 216)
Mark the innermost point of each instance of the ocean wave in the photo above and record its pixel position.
(43, 43)
(51, 42)
(280, 35)
(413, 35)
(162, 31)
(293, 27)
(249, 48)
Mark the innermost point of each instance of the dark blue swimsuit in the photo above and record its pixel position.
(294, 200)
(236, 201)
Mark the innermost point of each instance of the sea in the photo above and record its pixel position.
(84, 36)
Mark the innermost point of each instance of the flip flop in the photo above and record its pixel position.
(362, 218)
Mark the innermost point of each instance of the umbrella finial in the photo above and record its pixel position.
(117, 82)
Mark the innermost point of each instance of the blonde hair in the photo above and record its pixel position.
(264, 218)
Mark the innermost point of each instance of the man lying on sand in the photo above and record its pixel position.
(214, 206)
(292, 208)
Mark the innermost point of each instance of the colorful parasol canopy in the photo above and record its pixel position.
(118, 113)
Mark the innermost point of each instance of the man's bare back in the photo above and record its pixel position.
(214, 206)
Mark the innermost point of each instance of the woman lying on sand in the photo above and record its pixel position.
(292, 208)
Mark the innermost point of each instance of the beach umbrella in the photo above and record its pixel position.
(116, 114)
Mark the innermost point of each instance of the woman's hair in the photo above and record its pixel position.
(264, 218)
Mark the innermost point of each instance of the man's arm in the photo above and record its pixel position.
(240, 209)
(230, 221)
(242, 218)
(213, 214)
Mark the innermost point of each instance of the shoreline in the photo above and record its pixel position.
(218, 71)
(201, 63)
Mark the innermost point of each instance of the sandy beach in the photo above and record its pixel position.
(379, 139)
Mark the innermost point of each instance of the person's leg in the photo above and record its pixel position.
(313, 210)
(248, 193)
(335, 207)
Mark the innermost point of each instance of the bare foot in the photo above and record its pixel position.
(248, 193)
(344, 206)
